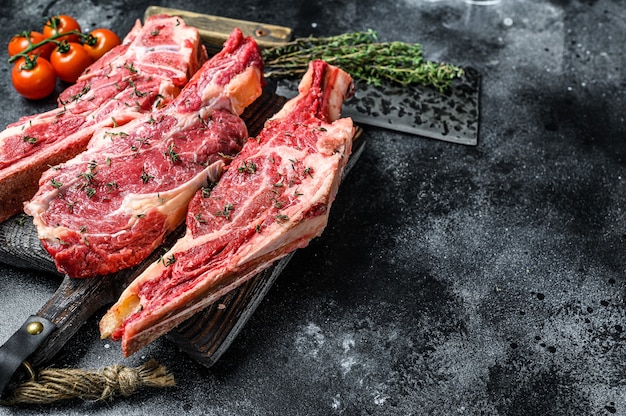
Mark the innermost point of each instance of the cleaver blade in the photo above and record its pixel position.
(452, 116)
(419, 110)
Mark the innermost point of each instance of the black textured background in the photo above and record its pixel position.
(451, 280)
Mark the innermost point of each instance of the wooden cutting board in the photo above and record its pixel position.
(205, 337)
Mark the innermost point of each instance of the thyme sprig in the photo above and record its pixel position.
(171, 153)
(363, 57)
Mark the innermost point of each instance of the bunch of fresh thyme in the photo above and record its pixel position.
(363, 57)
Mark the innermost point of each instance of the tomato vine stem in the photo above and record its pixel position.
(52, 39)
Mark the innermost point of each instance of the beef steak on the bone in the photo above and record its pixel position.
(274, 198)
(145, 72)
(109, 207)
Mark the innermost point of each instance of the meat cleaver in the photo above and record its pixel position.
(420, 110)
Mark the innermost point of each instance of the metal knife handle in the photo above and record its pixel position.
(214, 30)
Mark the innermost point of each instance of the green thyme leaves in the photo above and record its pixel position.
(145, 176)
(29, 139)
(363, 57)
(228, 209)
(55, 184)
(171, 154)
(247, 167)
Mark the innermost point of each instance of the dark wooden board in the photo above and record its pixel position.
(204, 337)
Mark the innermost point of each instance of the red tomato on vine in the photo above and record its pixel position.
(69, 60)
(33, 77)
(100, 41)
(60, 24)
(23, 40)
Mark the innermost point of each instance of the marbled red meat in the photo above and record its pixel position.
(273, 198)
(112, 205)
(145, 72)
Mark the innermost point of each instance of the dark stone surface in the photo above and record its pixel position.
(451, 280)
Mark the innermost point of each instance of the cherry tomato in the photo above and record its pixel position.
(100, 41)
(69, 60)
(23, 40)
(60, 24)
(33, 77)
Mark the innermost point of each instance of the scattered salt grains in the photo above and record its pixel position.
(107, 346)
(508, 22)
(380, 399)
(347, 364)
(348, 344)
(310, 340)
(336, 404)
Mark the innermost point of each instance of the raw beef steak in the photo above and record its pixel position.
(112, 205)
(145, 72)
(274, 198)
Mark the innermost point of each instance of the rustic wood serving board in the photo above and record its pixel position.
(205, 337)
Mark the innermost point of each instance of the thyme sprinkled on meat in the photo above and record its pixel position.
(247, 167)
(228, 208)
(29, 139)
(171, 153)
(282, 218)
(55, 184)
(145, 176)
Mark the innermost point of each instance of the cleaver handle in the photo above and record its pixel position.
(214, 30)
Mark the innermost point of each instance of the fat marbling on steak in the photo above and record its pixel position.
(274, 197)
(109, 207)
(145, 72)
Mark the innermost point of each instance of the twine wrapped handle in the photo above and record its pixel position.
(54, 384)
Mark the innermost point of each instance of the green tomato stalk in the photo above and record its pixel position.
(52, 39)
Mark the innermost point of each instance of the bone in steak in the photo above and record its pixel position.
(274, 198)
(145, 72)
(112, 205)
